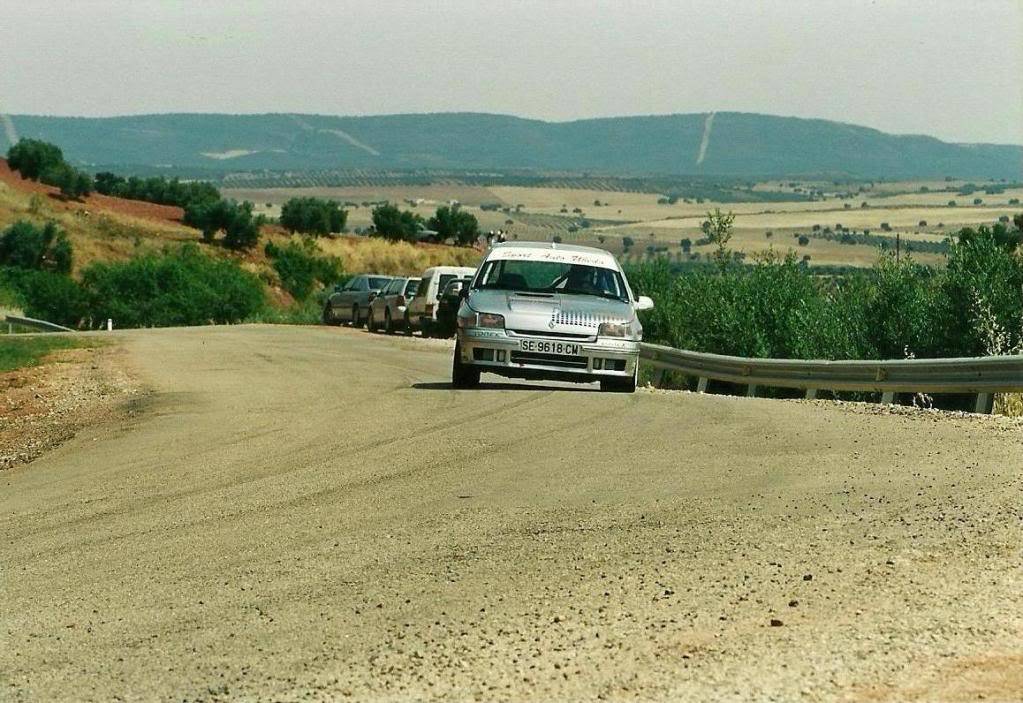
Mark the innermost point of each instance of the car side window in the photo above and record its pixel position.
(362, 283)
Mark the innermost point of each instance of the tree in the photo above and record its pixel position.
(240, 226)
(28, 246)
(451, 222)
(313, 216)
(242, 231)
(687, 245)
(72, 182)
(396, 225)
(32, 157)
(627, 243)
(718, 229)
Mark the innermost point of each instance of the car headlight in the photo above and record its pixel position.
(487, 320)
(614, 329)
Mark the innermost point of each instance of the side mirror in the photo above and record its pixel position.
(463, 292)
(644, 303)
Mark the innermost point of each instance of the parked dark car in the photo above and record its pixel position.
(388, 308)
(350, 302)
(447, 306)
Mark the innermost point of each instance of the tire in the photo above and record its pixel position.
(371, 324)
(388, 326)
(620, 385)
(356, 322)
(408, 326)
(328, 315)
(426, 329)
(463, 375)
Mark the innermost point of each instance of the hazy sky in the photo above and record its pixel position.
(949, 68)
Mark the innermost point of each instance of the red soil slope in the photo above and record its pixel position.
(95, 202)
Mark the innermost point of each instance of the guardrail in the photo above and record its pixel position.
(41, 325)
(984, 376)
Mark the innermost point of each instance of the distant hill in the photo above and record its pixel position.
(723, 144)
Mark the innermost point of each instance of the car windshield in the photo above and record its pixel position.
(378, 282)
(551, 277)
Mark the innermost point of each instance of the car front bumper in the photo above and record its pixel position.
(498, 352)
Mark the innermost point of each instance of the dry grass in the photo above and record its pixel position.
(1009, 404)
(362, 254)
(95, 235)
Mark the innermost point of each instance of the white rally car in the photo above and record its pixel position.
(549, 311)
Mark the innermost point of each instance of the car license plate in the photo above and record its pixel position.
(543, 346)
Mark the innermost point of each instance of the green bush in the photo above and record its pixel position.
(779, 308)
(240, 226)
(313, 216)
(392, 223)
(156, 189)
(45, 295)
(33, 157)
(179, 287)
(29, 246)
(300, 267)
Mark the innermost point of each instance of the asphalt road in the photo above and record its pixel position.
(312, 514)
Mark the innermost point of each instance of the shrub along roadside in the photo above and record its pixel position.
(181, 286)
(29, 246)
(300, 267)
(776, 308)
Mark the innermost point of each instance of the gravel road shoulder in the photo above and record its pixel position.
(44, 406)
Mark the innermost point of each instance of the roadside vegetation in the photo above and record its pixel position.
(777, 307)
(19, 351)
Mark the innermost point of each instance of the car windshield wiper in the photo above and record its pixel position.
(598, 294)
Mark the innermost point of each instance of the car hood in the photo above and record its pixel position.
(556, 312)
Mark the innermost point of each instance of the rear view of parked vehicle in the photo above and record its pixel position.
(447, 306)
(388, 308)
(350, 302)
(422, 310)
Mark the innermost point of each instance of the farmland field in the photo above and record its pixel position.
(917, 212)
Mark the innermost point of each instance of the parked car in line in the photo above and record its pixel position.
(447, 306)
(388, 308)
(421, 313)
(350, 302)
(549, 311)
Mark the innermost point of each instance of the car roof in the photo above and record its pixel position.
(551, 251)
(449, 269)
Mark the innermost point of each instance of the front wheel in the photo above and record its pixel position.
(328, 315)
(463, 375)
(356, 322)
(371, 324)
(388, 325)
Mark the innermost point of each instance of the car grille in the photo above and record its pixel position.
(559, 335)
(575, 318)
(562, 362)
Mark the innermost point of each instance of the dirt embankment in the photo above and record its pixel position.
(46, 405)
(95, 202)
